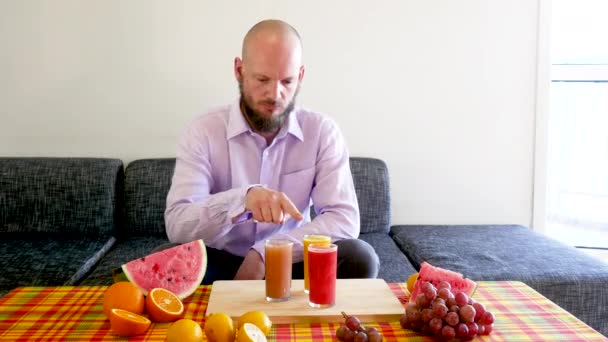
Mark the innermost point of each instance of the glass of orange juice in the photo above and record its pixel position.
(322, 240)
(278, 269)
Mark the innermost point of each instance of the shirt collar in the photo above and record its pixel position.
(238, 125)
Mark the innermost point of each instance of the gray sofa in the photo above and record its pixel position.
(70, 221)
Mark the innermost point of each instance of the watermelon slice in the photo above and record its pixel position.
(435, 275)
(179, 269)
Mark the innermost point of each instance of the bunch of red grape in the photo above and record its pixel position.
(353, 331)
(437, 311)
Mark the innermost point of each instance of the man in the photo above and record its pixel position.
(250, 171)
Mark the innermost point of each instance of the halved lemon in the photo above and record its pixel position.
(164, 306)
(250, 333)
(125, 323)
(257, 318)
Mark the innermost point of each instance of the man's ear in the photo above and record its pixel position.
(238, 68)
(301, 74)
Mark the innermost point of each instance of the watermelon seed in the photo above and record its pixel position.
(143, 259)
(169, 279)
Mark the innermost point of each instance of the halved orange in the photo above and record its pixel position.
(125, 323)
(164, 306)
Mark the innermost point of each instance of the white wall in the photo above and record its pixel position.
(443, 91)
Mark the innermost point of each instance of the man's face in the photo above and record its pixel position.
(269, 79)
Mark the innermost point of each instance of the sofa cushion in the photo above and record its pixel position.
(147, 182)
(67, 196)
(373, 194)
(121, 253)
(568, 277)
(394, 266)
(48, 260)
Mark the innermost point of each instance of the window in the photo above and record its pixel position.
(577, 124)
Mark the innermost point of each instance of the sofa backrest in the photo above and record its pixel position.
(67, 196)
(373, 194)
(147, 182)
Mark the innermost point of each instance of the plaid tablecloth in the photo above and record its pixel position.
(75, 314)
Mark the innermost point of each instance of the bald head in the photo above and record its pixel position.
(269, 74)
(271, 35)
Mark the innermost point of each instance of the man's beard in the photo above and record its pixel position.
(257, 119)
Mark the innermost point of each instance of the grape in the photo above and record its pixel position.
(436, 311)
(450, 302)
(444, 285)
(461, 298)
(426, 315)
(472, 329)
(374, 337)
(371, 330)
(426, 286)
(422, 301)
(438, 301)
(487, 318)
(444, 293)
(448, 332)
(435, 325)
(451, 318)
(349, 336)
(341, 332)
(352, 322)
(430, 292)
(353, 331)
(413, 315)
(479, 310)
(360, 336)
(462, 330)
(439, 310)
(467, 313)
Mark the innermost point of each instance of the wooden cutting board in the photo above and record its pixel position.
(371, 300)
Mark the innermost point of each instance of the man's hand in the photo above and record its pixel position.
(252, 267)
(270, 206)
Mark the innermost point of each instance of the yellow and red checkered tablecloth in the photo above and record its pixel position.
(76, 314)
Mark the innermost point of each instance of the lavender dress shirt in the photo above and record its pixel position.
(219, 158)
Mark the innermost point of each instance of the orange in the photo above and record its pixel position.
(164, 306)
(123, 295)
(411, 281)
(219, 328)
(125, 323)
(185, 330)
(257, 318)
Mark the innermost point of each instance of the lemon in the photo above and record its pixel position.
(257, 318)
(411, 281)
(219, 328)
(185, 330)
(250, 333)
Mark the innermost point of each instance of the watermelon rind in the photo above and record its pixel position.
(125, 273)
(434, 275)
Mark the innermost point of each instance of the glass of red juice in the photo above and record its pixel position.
(322, 268)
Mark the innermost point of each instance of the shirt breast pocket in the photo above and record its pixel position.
(298, 186)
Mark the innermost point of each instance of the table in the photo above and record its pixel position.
(75, 314)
